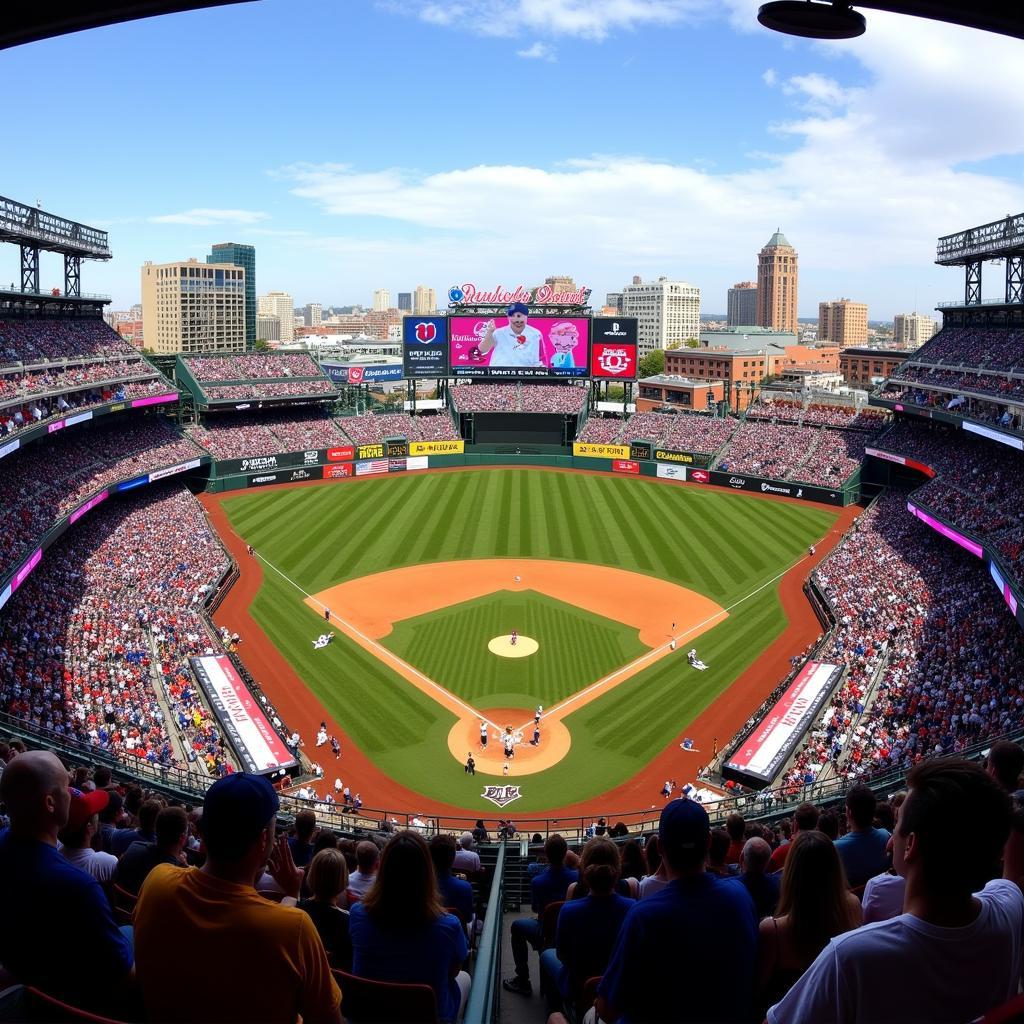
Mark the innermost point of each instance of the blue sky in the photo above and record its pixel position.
(362, 145)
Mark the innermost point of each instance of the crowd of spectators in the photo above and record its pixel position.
(699, 433)
(54, 378)
(601, 430)
(243, 435)
(999, 386)
(374, 428)
(485, 397)
(648, 426)
(993, 348)
(517, 397)
(111, 612)
(36, 341)
(252, 366)
(816, 413)
(42, 483)
(567, 398)
(269, 389)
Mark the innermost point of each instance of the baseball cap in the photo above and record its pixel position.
(684, 825)
(84, 806)
(518, 307)
(235, 811)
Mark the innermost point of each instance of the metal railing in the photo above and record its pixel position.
(482, 1005)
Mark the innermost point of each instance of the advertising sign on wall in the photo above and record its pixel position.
(341, 471)
(613, 348)
(437, 447)
(519, 345)
(600, 451)
(625, 466)
(424, 346)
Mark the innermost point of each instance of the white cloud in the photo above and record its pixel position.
(585, 19)
(539, 51)
(770, 77)
(205, 216)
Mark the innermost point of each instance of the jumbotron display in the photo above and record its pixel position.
(519, 345)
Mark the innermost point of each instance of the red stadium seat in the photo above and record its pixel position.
(365, 1001)
(44, 1009)
(549, 922)
(1011, 1012)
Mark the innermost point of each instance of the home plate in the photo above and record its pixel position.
(504, 648)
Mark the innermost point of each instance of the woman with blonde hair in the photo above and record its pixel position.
(326, 880)
(815, 905)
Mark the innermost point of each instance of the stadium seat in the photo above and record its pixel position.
(587, 995)
(39, 1008)
(1010, 1012)
(549, 922)
(380, 1002)
(123, 904)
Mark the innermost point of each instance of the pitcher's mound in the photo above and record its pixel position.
(504, 648)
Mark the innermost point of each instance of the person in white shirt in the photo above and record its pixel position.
(467, 860)
(367, 862)
(955, 952)
(76, 835)
(517, 344)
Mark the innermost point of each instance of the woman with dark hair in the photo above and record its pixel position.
(587, 927)
(327, 879)
(815, 905)
(634, 864)
(400, 931)
(657, 878)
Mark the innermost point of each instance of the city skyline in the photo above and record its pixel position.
(863, 151)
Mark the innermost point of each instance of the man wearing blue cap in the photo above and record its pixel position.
(246, 958)
(696, 919)
(518, 344)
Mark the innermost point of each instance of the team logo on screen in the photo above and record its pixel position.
(615, 360)
(456, 294)
(426, 331)
(355, 375)
(501, 795)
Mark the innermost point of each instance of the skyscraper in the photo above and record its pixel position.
(312, 314)
(190, 306)
(381, 300)
(405, 302)
(911, 330)
(742, 303)
(425, 300)
(843, 322)
(777, 285)
(244, 256)
(668, 312)
(280, 304)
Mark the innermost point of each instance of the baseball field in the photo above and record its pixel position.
(607, 582)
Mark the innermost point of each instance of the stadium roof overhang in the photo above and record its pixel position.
(26, 22)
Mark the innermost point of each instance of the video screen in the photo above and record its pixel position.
(519, 346)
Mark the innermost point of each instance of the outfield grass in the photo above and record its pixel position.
(576, 648)
(720, 544)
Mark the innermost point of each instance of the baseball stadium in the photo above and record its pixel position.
(500, 600)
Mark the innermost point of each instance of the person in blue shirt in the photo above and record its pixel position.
(456, 893)
(122, 838)
(695, 919)
(863, 850)
(400, 931)
(588, 926)
(548, 887)
(50, 905)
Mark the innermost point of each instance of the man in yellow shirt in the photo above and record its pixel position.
(208, 947)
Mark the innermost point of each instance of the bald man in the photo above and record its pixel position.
(63, 937)
(763, 888)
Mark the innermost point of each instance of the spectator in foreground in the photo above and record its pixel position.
(863, 848)
(171, 832)
(805, 819)
(367, 861)
(587, 927)
(44, 896)
(549, 886)
(301, 844)
(658, 877)
(76, 836)
(693, 914)
(250, 958)
(144, 833)
(327, 879)
(736, 827)
(467, 860)
(400, 931)
(456, 894)
(955, 953)
(1004, 763)
(763, 888)
(815, 905)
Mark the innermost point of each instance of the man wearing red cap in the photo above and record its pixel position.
(252, 959)
(49, 904)
(76, 836)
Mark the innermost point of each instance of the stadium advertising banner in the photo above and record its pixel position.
(670, 455)
(9, 448)
(370, 451)
(600, 451)
(994, 435)
(343, 373)
(95, 500)
(339, 471)
(613, 342)
(1004, 588)
(182, 467)
(783, 488)
(251, 736)
(900, 460)
(625, 466)
(671, 472)
(640, 450)
(285, 460)
(437, 447)
(263, 479)
(344, 454)
(424, 346)
(947, 531)
(396, 447)
(519, 346)
(415, 462)
(761, 754)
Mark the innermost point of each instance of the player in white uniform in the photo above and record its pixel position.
(518, 344)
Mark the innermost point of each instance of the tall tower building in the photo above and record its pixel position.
(777, 285)
(190, 306)
(312, 314)
(405, 302)
(560, 283)
(843, 323)
(667, 312)
(912, 330)
(742, 305)
(279, 304)
(244, 256)
(425, 299)
(381, 300)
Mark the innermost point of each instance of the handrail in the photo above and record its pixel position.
(482, 1006)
